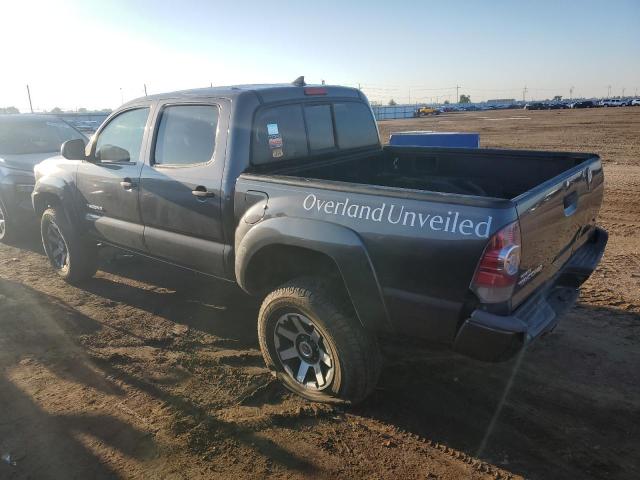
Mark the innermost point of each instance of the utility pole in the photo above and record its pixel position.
(29, 95)
(359, 86)
(457, 93)
(608, 91)
(145, 89)
(524, 93)
(409, 102)
(623, 89)
(571, 92)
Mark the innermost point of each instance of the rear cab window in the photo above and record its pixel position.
(296, 131)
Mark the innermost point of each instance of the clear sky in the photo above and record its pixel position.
(88, 53)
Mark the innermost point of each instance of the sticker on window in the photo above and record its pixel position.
(275, 141)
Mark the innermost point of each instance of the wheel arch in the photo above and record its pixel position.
(294, 247)
(52, 192)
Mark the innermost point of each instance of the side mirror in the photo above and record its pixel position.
(112, 153)
(73, 149)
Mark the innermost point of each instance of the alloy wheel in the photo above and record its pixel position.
(57, 247)
(303, 352)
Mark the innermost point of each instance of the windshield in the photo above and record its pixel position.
(22, 136)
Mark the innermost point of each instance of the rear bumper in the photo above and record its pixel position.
(491, 337)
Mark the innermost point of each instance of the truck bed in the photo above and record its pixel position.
(500, 174)
(555, 197)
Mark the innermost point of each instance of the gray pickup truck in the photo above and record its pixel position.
(287, 191)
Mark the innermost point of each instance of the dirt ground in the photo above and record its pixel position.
(151, 372)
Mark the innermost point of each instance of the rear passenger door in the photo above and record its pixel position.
(180, 186)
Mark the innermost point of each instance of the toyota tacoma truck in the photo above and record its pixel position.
(287, 191)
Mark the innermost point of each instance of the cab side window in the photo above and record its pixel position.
(186, 135)
(121, 139)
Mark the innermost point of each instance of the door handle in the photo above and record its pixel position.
(201, 192)
(127, 184)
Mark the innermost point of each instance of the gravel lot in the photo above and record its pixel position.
(151, 372)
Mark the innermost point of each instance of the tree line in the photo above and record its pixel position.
(58, 110)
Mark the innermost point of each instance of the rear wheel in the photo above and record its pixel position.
(72, 256)
(315, 345)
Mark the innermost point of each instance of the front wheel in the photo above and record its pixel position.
(317, 348)
(72, 256)
(8, 228)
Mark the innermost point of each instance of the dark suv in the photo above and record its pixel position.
(25, 140)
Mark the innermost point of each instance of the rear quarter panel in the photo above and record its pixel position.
(424, 253)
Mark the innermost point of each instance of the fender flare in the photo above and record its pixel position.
(339, 243)
(58, 188)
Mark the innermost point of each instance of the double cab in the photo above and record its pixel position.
(287, 191)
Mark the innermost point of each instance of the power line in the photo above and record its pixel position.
(29, 95)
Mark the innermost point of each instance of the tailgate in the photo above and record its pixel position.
(556, 218)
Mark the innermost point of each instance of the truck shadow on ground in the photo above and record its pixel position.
(39, 444)
(38, 350)
(45, 366)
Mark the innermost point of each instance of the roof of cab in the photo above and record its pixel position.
(264, 92)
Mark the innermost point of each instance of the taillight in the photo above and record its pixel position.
(498, 269)
(315, 91)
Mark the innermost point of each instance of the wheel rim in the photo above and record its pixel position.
(2, 222)
(56, 246)
(303, 352)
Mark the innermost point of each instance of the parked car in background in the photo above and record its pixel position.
(635, 102)
(88, 126)
(535, 106)
(425, 111)
(583, 104)
(611, 102)
(25, 140)
(557, 106)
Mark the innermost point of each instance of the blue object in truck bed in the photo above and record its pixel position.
(435, 139)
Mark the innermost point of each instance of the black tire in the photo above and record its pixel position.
(81, 260)
(9, 230)
(354, 352)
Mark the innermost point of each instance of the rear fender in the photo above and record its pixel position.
(339, 243)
